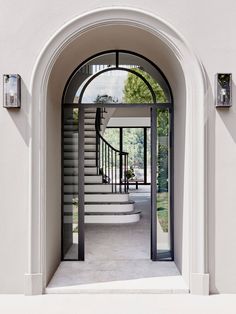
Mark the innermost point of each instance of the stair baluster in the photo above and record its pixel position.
(108, 158)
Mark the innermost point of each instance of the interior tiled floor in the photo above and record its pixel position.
(117, 259)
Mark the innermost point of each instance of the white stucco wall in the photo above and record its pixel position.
(25, 27)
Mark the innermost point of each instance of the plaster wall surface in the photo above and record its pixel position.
(25, 28)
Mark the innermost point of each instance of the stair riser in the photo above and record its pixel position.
(90, 110)
(69, 197)
(70, 163)
(99, 188)
(103, 188)
(70, 171)
(90, 141)
(103, 219)
(88, 120)
(70, 128)
(89, 127)
(90, 154)
(106, 197)
(70, 135)
(70, 155)
(90, 146)
(89, 115)
(74, 163)
(90, 171)
(87, 179)
(68, 220)
(71, 141)
(93, 179)
(109, 208)
(112, 219)
(70, 148)
(88, 162)
(90, 133)
(68, 208)
(74, 155)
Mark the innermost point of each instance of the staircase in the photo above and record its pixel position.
(106, 186)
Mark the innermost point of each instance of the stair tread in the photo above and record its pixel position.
(103, 203)
(88, 183)
(99, 193)
(87, 175)
(133, 212)
(96, 183)
(109, 203)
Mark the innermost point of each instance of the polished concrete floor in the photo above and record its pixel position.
(122, 241)
(117, 259)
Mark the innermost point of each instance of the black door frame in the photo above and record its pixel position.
(153, 223)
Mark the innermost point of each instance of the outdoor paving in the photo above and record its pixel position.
(118, 304)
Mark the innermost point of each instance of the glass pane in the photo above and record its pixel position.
(112, 136)
(163, 186)
(133, 143)
(117, 86)
(151, 74)
(148, 155)
(70, 186)
(97, 64)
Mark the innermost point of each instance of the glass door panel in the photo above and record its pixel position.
(148, 154)
(163, 185)
(133, 143)
(70, 198)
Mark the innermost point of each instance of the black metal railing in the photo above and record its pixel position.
(111, 163)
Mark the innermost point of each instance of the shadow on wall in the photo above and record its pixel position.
(20, 116)
(228, 117)
(210, 116)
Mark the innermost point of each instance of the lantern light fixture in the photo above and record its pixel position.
(223, 90)
(11, 91)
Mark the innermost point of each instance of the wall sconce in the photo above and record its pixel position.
(224, 90)
(11, 91)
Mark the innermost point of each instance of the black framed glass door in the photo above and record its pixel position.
(162, 184)
(117, 79)
(73, 196)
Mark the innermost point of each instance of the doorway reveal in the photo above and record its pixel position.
(96, 175)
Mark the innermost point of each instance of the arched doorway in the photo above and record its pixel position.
(94, 172)
(133, 30)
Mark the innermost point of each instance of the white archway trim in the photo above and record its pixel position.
(196, 89)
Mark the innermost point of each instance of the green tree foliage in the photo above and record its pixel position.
(136, 90)
(103, 99)
(163, 149)
(134, 144)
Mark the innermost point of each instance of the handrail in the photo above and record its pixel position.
(111, 163)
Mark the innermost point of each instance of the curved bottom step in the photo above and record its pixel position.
(109, 207)
(112, 218)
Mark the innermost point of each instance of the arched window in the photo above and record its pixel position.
(113, 74)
